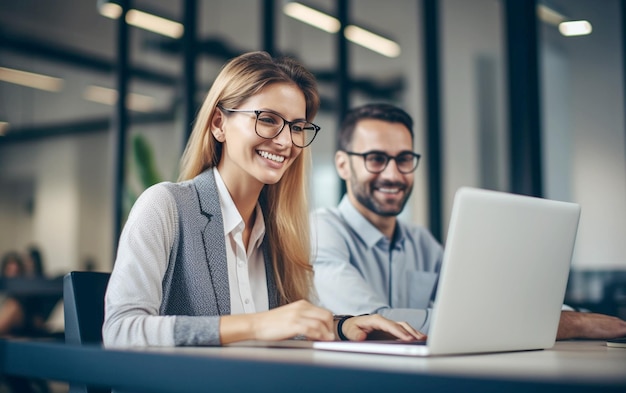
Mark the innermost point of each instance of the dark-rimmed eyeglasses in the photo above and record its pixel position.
(269, 124)
(377, 161)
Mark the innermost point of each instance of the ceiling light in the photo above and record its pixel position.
(353, 33)
(549, 15)
(154, 23)
(312, 17)
(369, 40)
(30, 79)
(569, 28)
(110, 10)
(575, 28)
(101, 95)
(140, 102)
(136, 102)
(143, 20)
(4, 126)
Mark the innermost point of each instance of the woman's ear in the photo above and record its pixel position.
(217, 126)
(342, 165)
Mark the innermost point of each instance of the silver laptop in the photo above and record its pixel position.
(503, 278)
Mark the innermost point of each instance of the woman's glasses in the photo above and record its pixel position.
(269, 124)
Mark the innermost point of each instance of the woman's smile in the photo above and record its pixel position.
(270, 156)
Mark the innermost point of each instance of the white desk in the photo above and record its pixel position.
(574, 361)
(575, 366)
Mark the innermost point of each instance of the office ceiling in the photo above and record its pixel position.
(69, 40)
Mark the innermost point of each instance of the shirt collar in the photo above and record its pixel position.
(231, 217)
(360, 225)
(258, 230)
(365, 229)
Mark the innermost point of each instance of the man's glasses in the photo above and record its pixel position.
(269, 124)
(376, 161)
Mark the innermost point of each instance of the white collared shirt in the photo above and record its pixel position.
(246, 268)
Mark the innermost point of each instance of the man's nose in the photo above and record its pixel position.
(391, 171)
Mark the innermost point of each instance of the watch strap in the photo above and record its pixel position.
(341, 319)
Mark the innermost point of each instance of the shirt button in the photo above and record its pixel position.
(247, 301)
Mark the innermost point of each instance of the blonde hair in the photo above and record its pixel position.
(284, 204)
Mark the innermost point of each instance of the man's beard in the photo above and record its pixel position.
(366, 197)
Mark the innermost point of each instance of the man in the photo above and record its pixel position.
(369, 261)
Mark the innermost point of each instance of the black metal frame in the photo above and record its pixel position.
(520, 20)
(432, 100)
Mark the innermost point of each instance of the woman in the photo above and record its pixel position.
(223, 255)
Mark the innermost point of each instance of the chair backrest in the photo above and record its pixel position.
(83, 302)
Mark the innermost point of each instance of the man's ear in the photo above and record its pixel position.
(342, 165)
(217, 126)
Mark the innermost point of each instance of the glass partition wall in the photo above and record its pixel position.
(582, 73)
(70, 134)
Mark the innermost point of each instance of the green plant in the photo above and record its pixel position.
(143, 167)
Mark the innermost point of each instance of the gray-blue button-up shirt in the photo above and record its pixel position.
(359, 271)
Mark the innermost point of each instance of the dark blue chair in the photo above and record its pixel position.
(83, 302)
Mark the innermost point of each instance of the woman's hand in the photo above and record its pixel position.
(370, 326)
(300, 318)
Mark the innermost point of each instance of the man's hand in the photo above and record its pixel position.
(589, 325)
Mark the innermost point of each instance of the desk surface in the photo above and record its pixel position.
(583, 361)
(572, 366)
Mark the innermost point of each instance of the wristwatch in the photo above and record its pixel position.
(341, 319)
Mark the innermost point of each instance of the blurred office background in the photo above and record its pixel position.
(72, 160)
